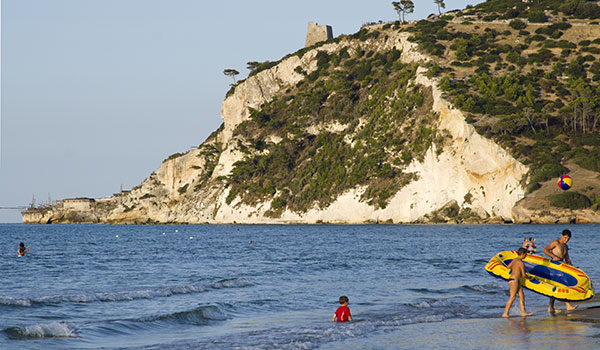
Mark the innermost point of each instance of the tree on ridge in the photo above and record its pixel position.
(440, 4)
(231, 73)
(403, 7)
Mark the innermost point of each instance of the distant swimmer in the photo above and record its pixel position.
(250, 242)
(22, 249)
(342, 314)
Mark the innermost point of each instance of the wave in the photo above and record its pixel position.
(315, 335)
(489, 288)
(198, 316)
(127, 295)
(485, 288)
(429, 291)
(43, 330)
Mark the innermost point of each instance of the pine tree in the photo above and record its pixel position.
(231, 73)
(403, 7)
(440, 4)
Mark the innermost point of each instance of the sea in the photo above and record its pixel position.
(277, 287)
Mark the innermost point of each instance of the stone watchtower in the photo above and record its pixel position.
(317, 33)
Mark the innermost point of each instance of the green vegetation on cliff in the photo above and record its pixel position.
(533, 88)
(526, 80)
(355, 121)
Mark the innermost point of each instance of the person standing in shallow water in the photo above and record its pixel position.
(558, 250)
(22, 249)
(342, 314)
(517, 273)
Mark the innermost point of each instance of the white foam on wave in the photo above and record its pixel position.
(14, 301)
(46, 330)
(213, 313)
(232, 283)
(423, 304)
(292, 338)
(127, 295)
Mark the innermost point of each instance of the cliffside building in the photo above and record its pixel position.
(317, 33)
(83, 204)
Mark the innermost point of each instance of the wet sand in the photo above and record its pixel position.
(578, 329)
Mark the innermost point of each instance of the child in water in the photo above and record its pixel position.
(529, 245)
(532, 247)
(22, 249)
(517, 273)
(342, 314)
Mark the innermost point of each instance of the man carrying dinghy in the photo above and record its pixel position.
(559, 251)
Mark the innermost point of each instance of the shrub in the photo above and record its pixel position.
(183, 189)
(511, 13)
(517, 24)
(570, 200)
(589, 159)
(533, 187)
(258, 67)
(547, 172)
(591, 49)
(299, 70)
(538, 37)
(537, 17)
(173, 156)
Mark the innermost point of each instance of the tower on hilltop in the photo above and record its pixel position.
(317, 33)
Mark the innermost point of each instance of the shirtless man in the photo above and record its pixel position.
(559, 251)
(517, 273)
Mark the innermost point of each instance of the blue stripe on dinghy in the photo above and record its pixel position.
(548, 273)
(551, 274)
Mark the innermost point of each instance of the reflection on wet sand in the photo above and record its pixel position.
(575, 327)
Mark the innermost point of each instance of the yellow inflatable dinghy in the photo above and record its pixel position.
(551, 278)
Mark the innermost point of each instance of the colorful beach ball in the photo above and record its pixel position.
(565, 182)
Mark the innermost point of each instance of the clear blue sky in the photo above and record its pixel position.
(96, 93)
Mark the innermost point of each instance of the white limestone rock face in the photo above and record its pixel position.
(469, 164)
(475, 165)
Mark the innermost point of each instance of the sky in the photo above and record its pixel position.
(95, 94)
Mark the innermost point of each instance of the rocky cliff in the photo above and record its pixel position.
(465, 177)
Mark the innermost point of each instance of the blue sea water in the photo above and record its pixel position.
(207, 287)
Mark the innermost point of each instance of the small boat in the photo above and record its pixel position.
(554, 279)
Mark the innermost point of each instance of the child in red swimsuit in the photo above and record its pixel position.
(342, 314)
